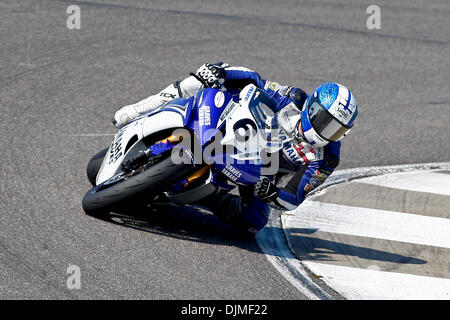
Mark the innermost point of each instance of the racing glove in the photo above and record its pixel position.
(211, 75)
(265, 189)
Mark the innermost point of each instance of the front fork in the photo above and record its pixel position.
(167, 144)
(162, 146)
(159, 148)
(154, 151)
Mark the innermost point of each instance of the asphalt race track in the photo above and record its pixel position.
(60, 88)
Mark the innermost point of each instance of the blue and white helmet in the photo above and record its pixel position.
(328, 115)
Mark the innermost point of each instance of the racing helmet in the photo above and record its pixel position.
(327, 115)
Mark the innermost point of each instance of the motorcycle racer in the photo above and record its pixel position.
(311, 128)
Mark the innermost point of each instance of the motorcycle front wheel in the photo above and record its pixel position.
(123, 189)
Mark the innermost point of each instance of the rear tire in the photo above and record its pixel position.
(150, 182)
(94, 165)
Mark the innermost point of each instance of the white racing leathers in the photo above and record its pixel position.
(179, 89)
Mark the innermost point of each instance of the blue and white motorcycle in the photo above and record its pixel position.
(185, 151)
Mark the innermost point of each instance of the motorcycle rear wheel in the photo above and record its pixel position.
(94, 165)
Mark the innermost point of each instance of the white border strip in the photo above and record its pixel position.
(273, 244)
(372, 223)
(276, 248)
(427, 181)
(370, 284)
(340, 176)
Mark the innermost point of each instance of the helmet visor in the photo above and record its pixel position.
(325, 124)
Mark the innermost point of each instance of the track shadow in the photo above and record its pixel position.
(312, 248)
(188, 223)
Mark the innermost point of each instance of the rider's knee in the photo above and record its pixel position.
(249, 217)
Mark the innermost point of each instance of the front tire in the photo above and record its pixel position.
(152, 181)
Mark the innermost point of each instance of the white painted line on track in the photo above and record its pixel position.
(368, 284)
(272, 242)
(431, 182)
(373, 223)
(89, 134)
